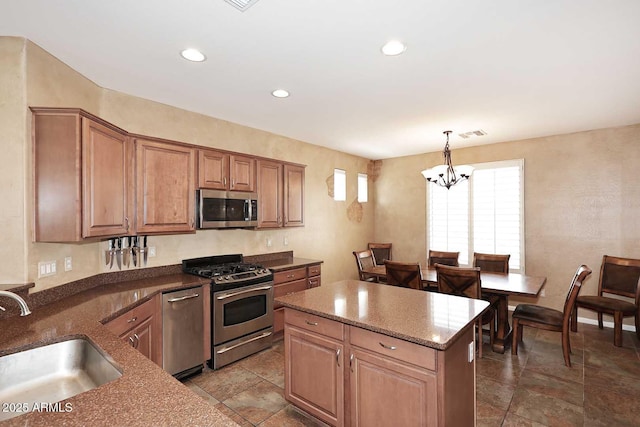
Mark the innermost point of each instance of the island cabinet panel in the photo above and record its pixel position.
(386, 392)
(315, 371)
(224, 171)
(141, 328)
(165, 182)
(83, 176)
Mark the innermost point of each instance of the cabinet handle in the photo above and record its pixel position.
(133, 319)
(126, 221)
(224, 181)
(131, 342)
(389, 347)
(311, 323)
(290, 276)
(183, 298)
(338, 357)
(137, 340)
(351, 362)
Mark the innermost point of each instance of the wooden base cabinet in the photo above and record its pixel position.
(141, 328)
(314, 363)
(288, 282)
(386, 381)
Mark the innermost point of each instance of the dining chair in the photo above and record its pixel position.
(466, 282)
(381, 252)
(444, 258)
(365, 259)
(405, 275)
(491, 262)
(621, 277)
(549, 319)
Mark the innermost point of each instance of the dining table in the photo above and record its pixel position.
(500, 285)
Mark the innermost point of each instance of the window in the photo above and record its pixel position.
(484, 214)
(339, 185)
(363, 189)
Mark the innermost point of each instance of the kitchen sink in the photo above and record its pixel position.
(51, 373)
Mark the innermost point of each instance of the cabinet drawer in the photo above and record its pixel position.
(314, 323)
(289, 275)
(314, 282)
(394, 347)
(288, 288)
(132, 318)
(314, 270)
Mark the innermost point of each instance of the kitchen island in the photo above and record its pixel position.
(360, 353)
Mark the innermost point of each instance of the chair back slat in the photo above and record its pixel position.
(459, 281)
(381, 252)
(619, 276)
(406, 275)
(444, 258)
(491, 262)
(574, 289)
(364, 259)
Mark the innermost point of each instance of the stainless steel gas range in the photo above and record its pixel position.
(241, 306)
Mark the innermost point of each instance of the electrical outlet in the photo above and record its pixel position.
(285, 241)
(68, 265)
(269, 242)
(46, 268)
(152, 251)
(542, 293)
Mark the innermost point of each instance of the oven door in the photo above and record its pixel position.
(241, 311)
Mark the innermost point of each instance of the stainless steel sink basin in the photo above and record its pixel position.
(52, 373)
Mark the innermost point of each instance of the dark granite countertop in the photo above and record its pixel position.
(145, 394)
(426, 318)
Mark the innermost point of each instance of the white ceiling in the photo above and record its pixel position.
(514, 68)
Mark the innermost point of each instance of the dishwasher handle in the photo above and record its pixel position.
(183, 298)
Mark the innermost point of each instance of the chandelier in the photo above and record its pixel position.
(446, 175)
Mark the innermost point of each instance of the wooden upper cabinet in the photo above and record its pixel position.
(293, 196)
(269, 194)
(213, 170)
(223, 171)
(280, 194)
(165, 187)
(82, 176)
(107, 165)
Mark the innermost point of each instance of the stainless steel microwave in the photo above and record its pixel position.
(226, 209)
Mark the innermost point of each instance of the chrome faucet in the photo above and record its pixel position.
(24, 308)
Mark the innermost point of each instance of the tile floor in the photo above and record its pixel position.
(534, 388)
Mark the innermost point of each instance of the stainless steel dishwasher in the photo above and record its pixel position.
(182, 332)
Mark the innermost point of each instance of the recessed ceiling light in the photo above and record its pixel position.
(193, 55)
(393, 47)
(280, 93)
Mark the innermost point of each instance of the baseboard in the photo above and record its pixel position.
(588, 321)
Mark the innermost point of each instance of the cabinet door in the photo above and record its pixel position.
(213, 170)
(409, 393)
(314, 374)
(269, 194)
(107, 181)
(242, 173)
(293, 196)
(165, 185)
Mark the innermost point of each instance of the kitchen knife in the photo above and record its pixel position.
(126, 250)
(134, 250)
(146, 249)
(119, 252)
(107, 254)
(112, 252)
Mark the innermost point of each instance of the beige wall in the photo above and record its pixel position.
(582, 200)
(33, 77)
